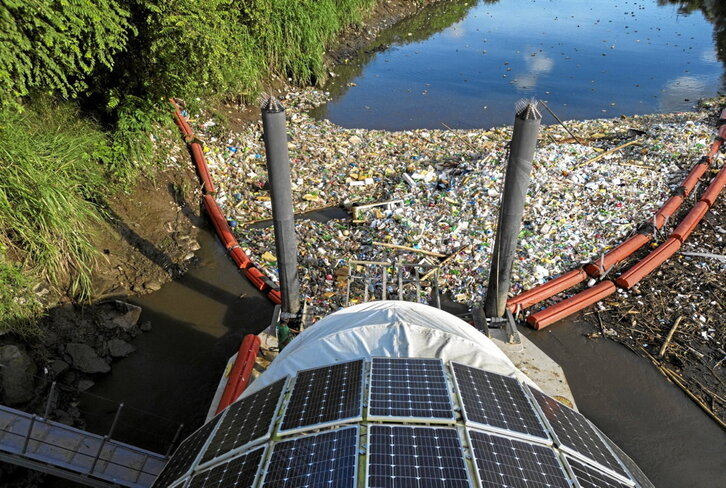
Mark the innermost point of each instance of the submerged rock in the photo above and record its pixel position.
(16, 374)
(120, 349)
(129, 317)
(84, 358)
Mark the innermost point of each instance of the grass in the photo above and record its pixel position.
(18, 306)
(51, 162)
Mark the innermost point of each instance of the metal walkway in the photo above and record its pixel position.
(90, 459)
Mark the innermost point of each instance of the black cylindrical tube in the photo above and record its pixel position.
(519, 167)
(278, 169)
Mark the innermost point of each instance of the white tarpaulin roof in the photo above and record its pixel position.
(387, 329)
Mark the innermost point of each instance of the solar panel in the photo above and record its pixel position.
(635, 472)
(247, 420)
(327, 459)
(504, 461)
(405, 388)
(498, 403)
(325, 396)
(186, 454)
(239, 472)
(576, 435)
(589, 477)
(405, 456)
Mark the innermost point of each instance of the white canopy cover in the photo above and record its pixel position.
(394, 329)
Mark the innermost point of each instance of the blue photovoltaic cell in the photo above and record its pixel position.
(576, 433)
(635, 472)
(496, 401)
(329, 459)
(185, 455)
(245, 421)
(239, 472)
(416, 457)
(503, 461)
(325, 395)
(409, 388)
(589, 477)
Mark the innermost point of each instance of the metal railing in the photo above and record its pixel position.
(34, 441)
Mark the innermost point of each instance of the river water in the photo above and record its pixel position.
(465, 63)
(434, 71)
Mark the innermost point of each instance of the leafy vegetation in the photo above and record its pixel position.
(66, 63)
(51, 162)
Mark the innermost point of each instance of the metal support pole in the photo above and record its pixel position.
(27, 437)
(49, 401)
(173, 441)
(278, 169)
(519, 167)
(106, 438)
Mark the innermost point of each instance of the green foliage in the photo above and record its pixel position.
(50, 162)
(54, 45)
(18, 306)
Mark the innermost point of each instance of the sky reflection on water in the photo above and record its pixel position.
(587, 59)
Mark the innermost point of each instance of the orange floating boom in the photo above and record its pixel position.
(275, 296)
(690, 182)
(668, 209)
(240, 258)
(646, 265)
(239, 377)
(546, 290)
(571, 305)
(617, 254)
(219, 222)
(200, 163)
(690, 221)
(257, 278)
(712, 191)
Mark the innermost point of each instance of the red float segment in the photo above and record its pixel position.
(200, 163)
(715, 146)
(224, 232)
(240, 258)
(690, 221)
(239, 377)
(668, 209)
(690, 182)
(712, 191)
(275, 296)
(256, 278)
(571, 305)
(546, 290)
(646, 265)
(181, 122)
(617, 254)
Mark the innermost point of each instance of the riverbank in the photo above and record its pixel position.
(586, 197)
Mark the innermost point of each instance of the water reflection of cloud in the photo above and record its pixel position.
(676, 92)
(455, 31)
(709, 56)
(536, 65)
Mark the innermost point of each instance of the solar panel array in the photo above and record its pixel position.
(185, 455)
(514, 435)
(404, 388)
(326, 459)
(324, 396)
(496, 401)
(239, 472)
(635, 472)
(589, 477)
(249, 419)
(407, 456)
(575, 433)
(504, 461)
